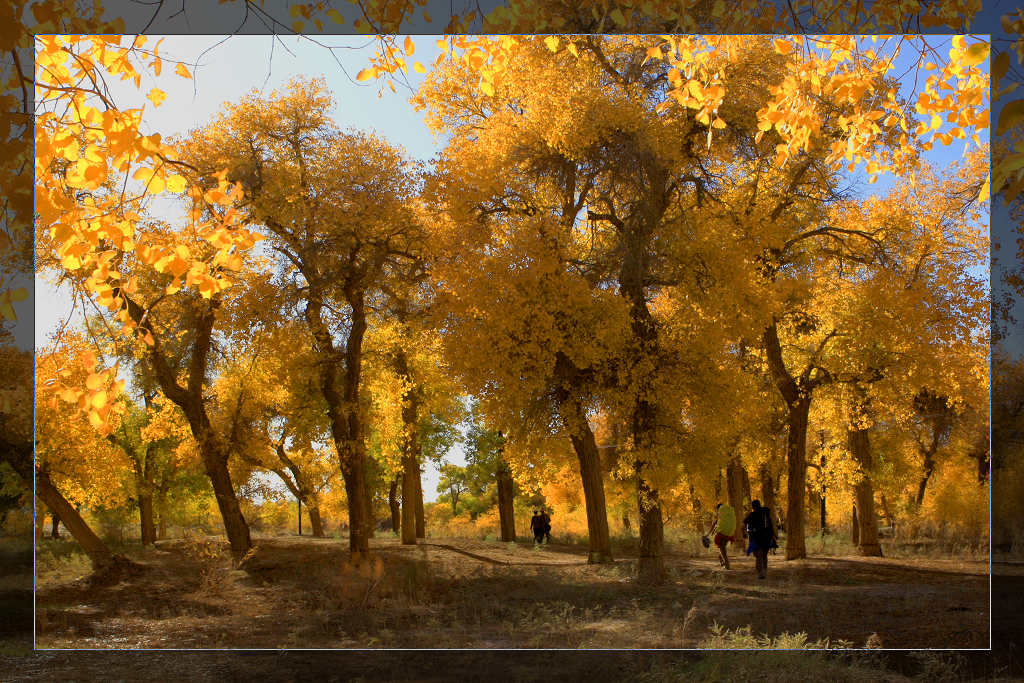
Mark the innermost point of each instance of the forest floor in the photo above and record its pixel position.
(300, 592)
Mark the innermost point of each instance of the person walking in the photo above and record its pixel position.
(545, 520)
(761, 533)
(537, 527)
(723, 526)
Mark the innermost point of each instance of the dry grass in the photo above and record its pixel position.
(455, 593)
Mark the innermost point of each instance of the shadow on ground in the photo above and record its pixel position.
(457, 593)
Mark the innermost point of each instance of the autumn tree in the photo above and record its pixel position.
(453, 483)
(485, 455)
(149, 437)
(90, 217)
(520, 214)
(74, 465)
(268, 402)
(895, 304)
(335, 206)
(766, 160)
(592, 212)
(415, 405)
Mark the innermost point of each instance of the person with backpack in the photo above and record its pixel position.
(761, 533)
(724, 526)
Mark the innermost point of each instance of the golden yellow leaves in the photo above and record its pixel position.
(313, 11)
(782, 46)
(8, 297)
(838, 67)
(965, 105)
(1011, 115)
(95, 400)
(154, 182)
(83, 142)
(692, 83)
(180, 260)
(156, 96)
(975, 54)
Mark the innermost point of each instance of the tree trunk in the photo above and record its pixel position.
(855, 527)
(813, 503)
(371, 517)
(651, 566)
(797, 396)
(796, 483)
(421, 520)
(823, 520)
(145, 472)
(410, 474)
(412, 448)
(860, 447)
(394, 505)
(506, 513)
(585, 446)
(192, 402)
(343, 408)
(767, 487)
(161, 508)
(633, 278)
(599, 540)
(983, 467)
(40, 520)
(929, 467)
(54, 525)
(980, 453)
(887, 511)
(735, 477)
(313, 508)
(696, 511)
(94, 547)
(147, 526)
(235, 525)
(353, 471)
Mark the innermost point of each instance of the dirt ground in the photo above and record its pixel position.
(457, 593)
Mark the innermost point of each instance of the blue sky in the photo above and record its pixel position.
(226, 70)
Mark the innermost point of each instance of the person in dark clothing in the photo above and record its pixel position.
(545, 520)
(761, 533)
(537, 527)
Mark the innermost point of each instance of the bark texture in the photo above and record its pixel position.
(394, 506)
(92, 545)
(867, 520)
(591, 474)
(506, 512)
